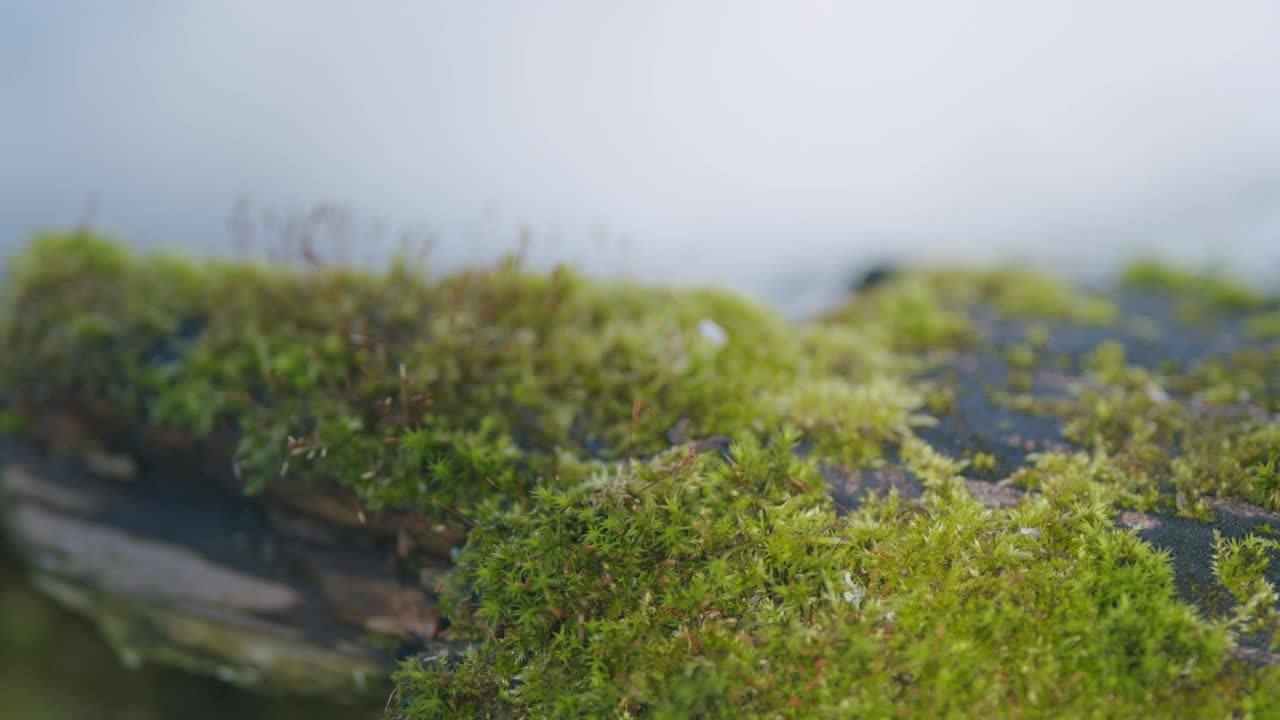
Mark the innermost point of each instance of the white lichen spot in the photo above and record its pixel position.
(853, 592)
(713, 333)
(130, 657)
(1157, 394)
(262, 655)
(1032, 531)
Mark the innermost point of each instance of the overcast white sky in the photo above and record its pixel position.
(754, 144)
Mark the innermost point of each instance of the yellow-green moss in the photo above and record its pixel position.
(438, 395)
(1238, 565)
(984, 462)
(1198, 296)
(1264, 325)
(931, 309)
(1170, 448)
(616, 567)
(731, 587)
(1032, 295)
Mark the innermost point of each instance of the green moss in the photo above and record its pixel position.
(932, 309)
(1175, 436)
(1251, 375)
(1238, 565)
(444, 396)
(1199, 294)
(1107, 362)
(616, 567)
(1219, 291)
(11, 423)
(1266, 483)
(1031, 295)
(984, 462)
(732, 587)
(1021, 357)
(1264, 325)
(909, 313)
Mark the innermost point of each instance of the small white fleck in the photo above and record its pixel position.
(853, 592)
(130, 658)
(891, 616)
(712, 331)
(1032, 531)
(1156, 394)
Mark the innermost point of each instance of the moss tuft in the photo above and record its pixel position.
(731, 587)
(442, 396)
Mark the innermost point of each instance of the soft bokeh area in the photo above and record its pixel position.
(775, 147)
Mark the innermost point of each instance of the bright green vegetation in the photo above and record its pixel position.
(442, 395)
(1176, 437)
(1030, 295)
(619, 563)
(439, 396)
(930, 309)
(1239, 566)
(731, 587)
(1264, 325)
(1199, 296)
(1215, 291)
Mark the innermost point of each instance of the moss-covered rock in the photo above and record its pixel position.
(623, 558)
(436, 396)
(732, 587)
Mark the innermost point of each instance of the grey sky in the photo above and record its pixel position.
(726, 141)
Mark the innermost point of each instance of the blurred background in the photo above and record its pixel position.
(773, 147)
(776, 148)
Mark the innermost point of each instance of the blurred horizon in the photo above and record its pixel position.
(775, 148)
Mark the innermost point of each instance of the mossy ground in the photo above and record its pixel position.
(624, 560)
